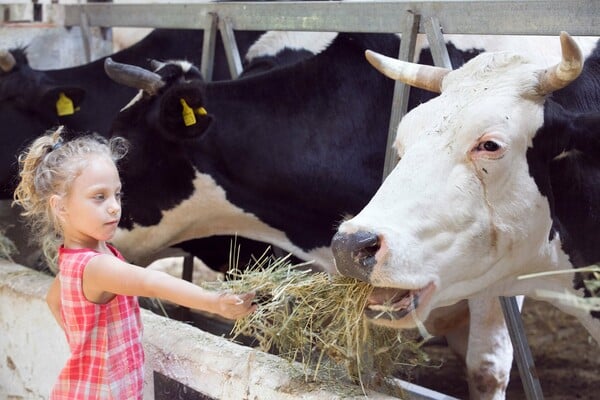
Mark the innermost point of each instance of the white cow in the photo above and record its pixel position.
(499, 176)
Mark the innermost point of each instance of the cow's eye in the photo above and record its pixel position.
(490, 146)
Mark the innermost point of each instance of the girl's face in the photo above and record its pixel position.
(91, 210)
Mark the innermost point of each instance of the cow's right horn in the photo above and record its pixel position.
(7, 60)
(133, 76)
(566, 71)
(421, 76)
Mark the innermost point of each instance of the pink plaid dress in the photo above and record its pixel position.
(107, 356)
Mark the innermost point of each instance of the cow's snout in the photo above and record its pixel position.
(355, 253)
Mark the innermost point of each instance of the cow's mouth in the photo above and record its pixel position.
(396, 304)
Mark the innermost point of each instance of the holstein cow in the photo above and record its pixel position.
(499, 176)
(278, 157)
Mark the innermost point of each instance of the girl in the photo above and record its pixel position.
(71, 193)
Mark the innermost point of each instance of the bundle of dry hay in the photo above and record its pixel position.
(317, 319)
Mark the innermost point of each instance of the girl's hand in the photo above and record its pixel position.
(236, 306)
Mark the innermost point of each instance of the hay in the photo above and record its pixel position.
(590, 279)
(317, 319)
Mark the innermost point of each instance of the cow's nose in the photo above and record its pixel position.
(355, 253)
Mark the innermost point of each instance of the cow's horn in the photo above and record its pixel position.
(566, 71)
(7, 60)
(422, 76)
(133, 76)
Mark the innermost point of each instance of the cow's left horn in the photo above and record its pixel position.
(133, 76)
(566, 71)
(421, 76)
(7, 60)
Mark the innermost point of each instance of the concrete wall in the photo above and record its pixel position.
(32, 346)
(54, 47)
(33, 350)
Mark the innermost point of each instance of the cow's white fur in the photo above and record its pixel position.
(212, 214)
(470, 223)
(272, 42)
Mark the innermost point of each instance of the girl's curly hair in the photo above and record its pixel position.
(48, 167)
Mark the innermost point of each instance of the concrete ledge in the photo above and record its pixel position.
(33, 349)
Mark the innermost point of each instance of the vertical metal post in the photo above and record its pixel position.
(208, 47)
(401, 90)
(512, 315)
(86, 35)
(437, 44)
(231, 50)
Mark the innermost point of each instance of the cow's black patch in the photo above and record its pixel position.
(571, 182)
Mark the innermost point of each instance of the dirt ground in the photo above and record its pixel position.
(566, 358)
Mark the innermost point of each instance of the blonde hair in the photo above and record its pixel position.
(48, 167)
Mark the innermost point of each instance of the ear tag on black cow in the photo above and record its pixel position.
(64, 105)
(187, 113)
(201, 111)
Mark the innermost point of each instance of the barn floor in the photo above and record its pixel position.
(566, 358)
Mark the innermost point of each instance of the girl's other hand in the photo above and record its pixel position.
(236, 306)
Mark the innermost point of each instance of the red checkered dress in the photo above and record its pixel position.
(107, 356)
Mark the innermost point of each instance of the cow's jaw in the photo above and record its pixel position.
(399, 308)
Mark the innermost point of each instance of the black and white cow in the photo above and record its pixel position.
(499, 176)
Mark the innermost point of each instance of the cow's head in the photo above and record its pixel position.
(32, 92)
(169, 100)
(461, 210)
(29, 104)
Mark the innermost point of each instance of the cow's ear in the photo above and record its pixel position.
(62, 101)
(182, 113)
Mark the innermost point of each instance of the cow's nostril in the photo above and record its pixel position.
(355, 253)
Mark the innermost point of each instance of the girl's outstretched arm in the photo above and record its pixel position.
(106, 276)
(53, 301)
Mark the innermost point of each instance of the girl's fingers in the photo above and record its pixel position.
(242, 298)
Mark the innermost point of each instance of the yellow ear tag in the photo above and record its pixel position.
(187, 113)
(201, 111)
(64, 105)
